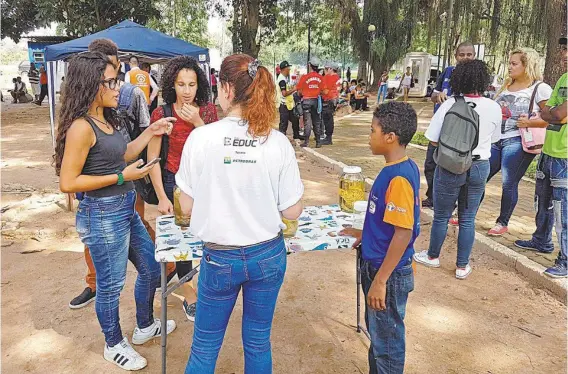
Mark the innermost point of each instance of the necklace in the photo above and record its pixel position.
(99, 121)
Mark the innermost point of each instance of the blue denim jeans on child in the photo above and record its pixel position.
(114, 233)
(259, 271)
(508, 156)
(551, 204)
(386, 327)
(449, 188)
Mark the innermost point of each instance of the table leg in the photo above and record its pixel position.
(164, 312)
(358, 284)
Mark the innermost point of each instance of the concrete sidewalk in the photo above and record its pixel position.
(350, 146)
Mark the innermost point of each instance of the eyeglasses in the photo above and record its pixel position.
(110, 83)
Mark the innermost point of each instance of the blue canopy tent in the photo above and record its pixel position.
(131, 38)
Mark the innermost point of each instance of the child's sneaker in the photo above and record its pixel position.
(141, 336)
(424, 259)
(498, 230)
(462, 273)
(124, 356)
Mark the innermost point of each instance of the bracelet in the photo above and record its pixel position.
(120, 179)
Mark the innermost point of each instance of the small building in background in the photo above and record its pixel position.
(37, 44)
(36, 54)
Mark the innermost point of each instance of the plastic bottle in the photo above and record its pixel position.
(351, 188)
(359, 212)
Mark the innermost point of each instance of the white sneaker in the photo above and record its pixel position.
(462, 273)
(141, 336)
(424, 259)
(124, 356)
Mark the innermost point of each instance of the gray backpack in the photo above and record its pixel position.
(458, 138)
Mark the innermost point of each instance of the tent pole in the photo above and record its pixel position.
(51, 98)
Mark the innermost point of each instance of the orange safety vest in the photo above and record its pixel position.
(140, 78)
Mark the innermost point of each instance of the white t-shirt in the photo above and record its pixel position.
(239, 184)
(513, 104)
(489, 123)
(407, 80)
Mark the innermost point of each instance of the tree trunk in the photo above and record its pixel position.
(245, 26)
(555, 27)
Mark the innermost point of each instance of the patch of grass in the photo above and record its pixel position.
(419, 139)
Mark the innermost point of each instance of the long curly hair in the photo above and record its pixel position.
(255, 95)
(470, 77)
(84, 75)
(171, 71)
(531, 62)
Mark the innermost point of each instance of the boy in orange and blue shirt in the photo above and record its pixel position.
(392, 224)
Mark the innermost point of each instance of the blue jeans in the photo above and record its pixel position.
(386, 327)
(508, 156)
(383, 88)
(259, 271)
(449, 188)
(551, 204)
(114, 233)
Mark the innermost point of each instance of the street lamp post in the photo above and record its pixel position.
(371, 30)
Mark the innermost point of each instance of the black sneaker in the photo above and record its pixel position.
(318, 145)
(304, 145)
(299, 137)
(85, 298)
(428, 203)
(189, 310)
(326, 141)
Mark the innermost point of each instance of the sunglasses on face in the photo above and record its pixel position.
(110, 83)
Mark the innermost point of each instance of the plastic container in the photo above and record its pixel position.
(291, 227)
(359, 212)
(351, 188)
(180, 219)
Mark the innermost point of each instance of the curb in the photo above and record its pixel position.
(532, 271)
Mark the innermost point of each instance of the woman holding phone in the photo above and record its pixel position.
(186, 93)
(244, 178)
(91, 155)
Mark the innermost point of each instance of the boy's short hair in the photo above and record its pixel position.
(399, 118)
(106, 46)
(145, 65)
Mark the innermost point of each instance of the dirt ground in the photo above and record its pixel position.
(493, 322)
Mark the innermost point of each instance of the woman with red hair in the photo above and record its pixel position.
(239, 177)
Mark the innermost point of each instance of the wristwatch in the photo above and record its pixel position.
(120, 179)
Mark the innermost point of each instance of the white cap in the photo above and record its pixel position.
(352, 170)
(360, 206)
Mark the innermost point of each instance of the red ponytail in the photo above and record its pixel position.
(255, 95)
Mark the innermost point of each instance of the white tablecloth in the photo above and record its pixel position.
(318, 229)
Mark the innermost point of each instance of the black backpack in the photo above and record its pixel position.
(144, 186)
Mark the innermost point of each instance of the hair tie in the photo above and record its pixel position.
(253, 68)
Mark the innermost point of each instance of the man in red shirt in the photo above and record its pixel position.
(311, 86)
(331, 81)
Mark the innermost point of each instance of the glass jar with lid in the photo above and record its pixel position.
(351, 188)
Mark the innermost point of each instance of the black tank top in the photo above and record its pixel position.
(106, 157)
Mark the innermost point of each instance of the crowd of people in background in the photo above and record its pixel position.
(522, 126)
(111, 125)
